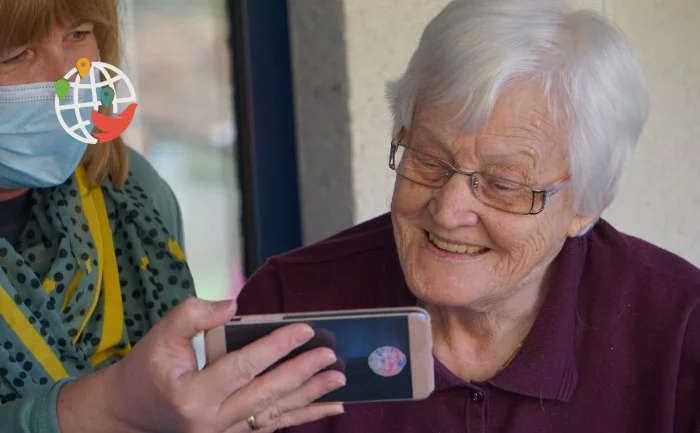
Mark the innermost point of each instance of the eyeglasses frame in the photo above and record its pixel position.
(546, 193)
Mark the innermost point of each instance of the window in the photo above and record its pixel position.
(177, 56)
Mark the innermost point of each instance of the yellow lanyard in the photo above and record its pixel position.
(108, 285)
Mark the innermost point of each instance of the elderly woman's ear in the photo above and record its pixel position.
(581, 224)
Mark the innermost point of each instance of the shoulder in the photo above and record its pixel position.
(641, 258)
(661, 305)
(158, 191)
(626, 273)
(638, 302)
(356, 268)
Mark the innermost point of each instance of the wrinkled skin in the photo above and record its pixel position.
(484, 304)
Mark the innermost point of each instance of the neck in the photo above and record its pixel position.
(478, 342)
(9, 194)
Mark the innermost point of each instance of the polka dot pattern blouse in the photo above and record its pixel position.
(50, 279)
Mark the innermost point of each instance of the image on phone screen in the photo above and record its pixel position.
(373, 353)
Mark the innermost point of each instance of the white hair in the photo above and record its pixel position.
(590, 78)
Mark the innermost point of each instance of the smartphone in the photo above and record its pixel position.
(385, 354)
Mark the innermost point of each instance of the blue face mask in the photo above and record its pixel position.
(35, 150)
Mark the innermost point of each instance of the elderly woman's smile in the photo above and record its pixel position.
(465, 237)
(456, 247)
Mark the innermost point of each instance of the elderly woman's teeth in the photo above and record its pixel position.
(456, 248)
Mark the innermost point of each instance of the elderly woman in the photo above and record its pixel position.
(514, 122)
(96, 299)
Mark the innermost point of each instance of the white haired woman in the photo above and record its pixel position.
(514, 122)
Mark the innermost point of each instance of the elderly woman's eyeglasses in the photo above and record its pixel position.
(503, 194)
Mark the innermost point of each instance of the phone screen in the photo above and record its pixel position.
(373, 352)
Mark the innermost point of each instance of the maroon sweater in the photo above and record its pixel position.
(615, 348)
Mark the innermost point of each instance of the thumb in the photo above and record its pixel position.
(194, 315)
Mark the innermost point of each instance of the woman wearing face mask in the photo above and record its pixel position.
(91, 264)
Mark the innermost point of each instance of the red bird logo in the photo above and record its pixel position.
(112, 127)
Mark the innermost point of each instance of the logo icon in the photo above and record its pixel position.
(95, 85)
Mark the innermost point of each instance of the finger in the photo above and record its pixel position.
(235, 370)
(339, 365)
(307, 414)
(293, 418)
(194, 315)
(264, 391)
(312, 390)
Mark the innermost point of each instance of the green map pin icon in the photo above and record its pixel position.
(106, 96)
(62, 87)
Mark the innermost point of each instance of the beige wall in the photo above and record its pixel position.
(380, 37)
(660, 199)
(376, 42)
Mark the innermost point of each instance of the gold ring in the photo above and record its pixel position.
(252, 424)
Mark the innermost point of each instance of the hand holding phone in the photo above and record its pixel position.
(385, 354)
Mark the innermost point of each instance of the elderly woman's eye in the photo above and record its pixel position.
(427, 160)
(424, 167)
(501, 186)
(430, 162)
(505, 186)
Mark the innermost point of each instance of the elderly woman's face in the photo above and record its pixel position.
(457, 251)
(49, 59)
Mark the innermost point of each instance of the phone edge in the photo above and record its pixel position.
(281, 317)
(420, 337)
(214, 344)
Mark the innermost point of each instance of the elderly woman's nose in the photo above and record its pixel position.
(455, 205)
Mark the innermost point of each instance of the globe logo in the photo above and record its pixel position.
(82, 92)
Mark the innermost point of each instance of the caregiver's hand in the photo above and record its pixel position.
(158, 388)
